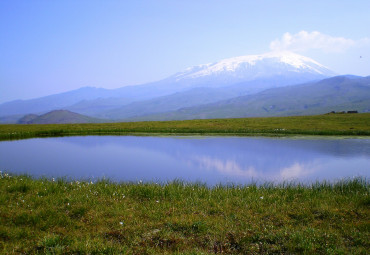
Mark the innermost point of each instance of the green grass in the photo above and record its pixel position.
(41, 216)
(331, 124)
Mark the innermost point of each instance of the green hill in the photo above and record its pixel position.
(58, 117)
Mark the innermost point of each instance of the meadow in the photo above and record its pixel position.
(47, 216)
(65, 216)
(329, 124)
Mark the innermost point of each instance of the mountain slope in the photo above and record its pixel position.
(246, 74)
(334, 94)
(58, 117)
(172, 102)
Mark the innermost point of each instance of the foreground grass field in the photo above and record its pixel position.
(331, 124)
(39, 216)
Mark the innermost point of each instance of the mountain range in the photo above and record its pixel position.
(271, 84)
(337, 94)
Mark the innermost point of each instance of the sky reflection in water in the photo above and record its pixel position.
(210, 160)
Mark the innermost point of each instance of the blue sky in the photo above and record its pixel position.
(49, 47)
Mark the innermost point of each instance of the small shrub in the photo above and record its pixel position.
(188, 228)
(20, 187)
(53, 244)
(4, 235)
(78, 212)
(24, 219)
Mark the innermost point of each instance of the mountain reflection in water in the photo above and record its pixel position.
(210, 160)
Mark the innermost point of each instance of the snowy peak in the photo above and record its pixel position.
(254, 66)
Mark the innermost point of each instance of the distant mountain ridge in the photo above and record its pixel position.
(222, 80)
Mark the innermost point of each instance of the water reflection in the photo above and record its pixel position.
(206, 159)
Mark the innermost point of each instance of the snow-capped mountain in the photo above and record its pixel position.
(284, 64)
(228, 78)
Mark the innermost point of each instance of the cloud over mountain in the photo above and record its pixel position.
(303, 41)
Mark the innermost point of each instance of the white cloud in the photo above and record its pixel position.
(229, 167)
(295, 171)
(304, 41)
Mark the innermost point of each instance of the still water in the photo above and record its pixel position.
(210, 160)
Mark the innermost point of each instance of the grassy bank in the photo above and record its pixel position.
(46, 216)
(332, 124)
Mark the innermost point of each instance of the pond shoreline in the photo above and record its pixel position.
(354, 125)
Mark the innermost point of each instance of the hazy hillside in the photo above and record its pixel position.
(27, 119)
(169, 103)
(58, 117)
(10, 119)
(339, 93)
(52, 102)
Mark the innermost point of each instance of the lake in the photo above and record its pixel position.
(210, 160)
